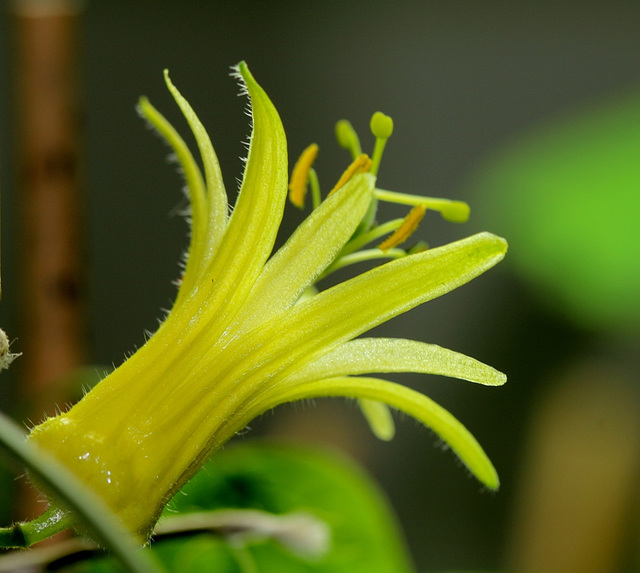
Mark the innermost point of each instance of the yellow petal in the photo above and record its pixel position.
(312, 247)
(369, 355)
(417, 405)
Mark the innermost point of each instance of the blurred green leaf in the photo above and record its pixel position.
(282, 479)
(567, 196)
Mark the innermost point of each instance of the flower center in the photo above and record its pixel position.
(397, 231)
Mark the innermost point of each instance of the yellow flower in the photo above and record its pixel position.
(241, 337)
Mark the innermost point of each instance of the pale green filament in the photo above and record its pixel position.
(454, 211)
(351, 253)
(419, 247)
(376, 232)
(316, 197)
(361, 256)
(348, 138)
(382, 128)
(360, 240)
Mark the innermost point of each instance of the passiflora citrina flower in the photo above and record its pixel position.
(248, 330)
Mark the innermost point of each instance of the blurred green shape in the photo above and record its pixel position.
(282, 479)
(567, 196)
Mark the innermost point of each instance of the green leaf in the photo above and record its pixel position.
(567, 194)
(283, 479)
(280, 480)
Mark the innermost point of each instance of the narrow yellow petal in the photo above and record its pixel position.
(196, 189)
(253, 226)
(217, 202)
(208, 309)
(317, 325)
(312, 247)
(351, 308)
(413, 403)
(369, 355)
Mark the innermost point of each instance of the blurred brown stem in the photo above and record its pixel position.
(48, 126)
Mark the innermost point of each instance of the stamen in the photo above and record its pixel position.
(454, 211)
(316, 198)
(382, 127)
(361, 164)
(360, 240)
(361, 256)
(409, 225)
(419, 247)
(300, 175)
(379, 417)
(348, 138)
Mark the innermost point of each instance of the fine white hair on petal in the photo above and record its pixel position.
(244, 91)
(235, 73)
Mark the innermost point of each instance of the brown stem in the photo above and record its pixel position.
(48, 127)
